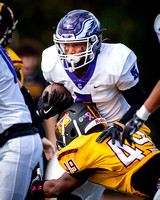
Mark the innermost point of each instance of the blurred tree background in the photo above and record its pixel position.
(127, 21)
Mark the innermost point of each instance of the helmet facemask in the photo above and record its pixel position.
(75, 61)
(7, 25)
(6, 37)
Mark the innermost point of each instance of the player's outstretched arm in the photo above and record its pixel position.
(65, 183)
(149, 106)
(153, 101)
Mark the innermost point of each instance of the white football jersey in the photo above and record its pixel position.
(13, 109)
(115, 69)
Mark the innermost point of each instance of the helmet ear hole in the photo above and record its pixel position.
(73, 133)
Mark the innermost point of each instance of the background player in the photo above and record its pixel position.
(150, 105)
(30, 51)
(93, 71)
(121, 168)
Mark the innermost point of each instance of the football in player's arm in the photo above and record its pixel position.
(122, 168)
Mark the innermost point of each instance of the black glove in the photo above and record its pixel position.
(131, 127)
(49, 108)
(37, 187)
(114, 131)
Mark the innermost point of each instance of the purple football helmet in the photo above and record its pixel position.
(78, 26)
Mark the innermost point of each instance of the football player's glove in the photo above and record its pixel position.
(50, 107)
(131, 127)
(37, 187)
(115, 131)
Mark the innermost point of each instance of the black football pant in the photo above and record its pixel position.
(145, 179)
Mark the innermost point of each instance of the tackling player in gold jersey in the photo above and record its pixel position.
(131, 169)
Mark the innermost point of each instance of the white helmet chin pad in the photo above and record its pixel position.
(73, 58)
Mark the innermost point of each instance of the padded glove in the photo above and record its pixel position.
(49, 108)
(115, 131)
(131, 127)
(37, 187)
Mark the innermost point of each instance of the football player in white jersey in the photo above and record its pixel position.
(94, 72)
(7, 27)
(20, 143)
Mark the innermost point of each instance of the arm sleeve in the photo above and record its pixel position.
(135, 96)
(32, 107)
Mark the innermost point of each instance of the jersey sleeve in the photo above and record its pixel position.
(49, 58)
(72, 160)
(130, 74)
(75, 157)
(17, 62)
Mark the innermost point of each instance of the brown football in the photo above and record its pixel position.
(59, 89)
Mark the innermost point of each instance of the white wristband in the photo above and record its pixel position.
(143, 113)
